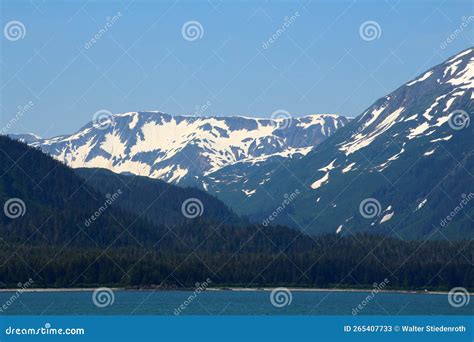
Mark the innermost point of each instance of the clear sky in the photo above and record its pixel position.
(320, 61)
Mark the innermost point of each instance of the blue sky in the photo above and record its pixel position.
(319, 62)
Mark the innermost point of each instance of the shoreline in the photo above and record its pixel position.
(224, 289)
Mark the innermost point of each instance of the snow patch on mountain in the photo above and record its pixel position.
(323, 180)
(328, 167)
(429, 153)
(421, 204)
(442, 139)
(249, 192)
(422, 78)
(362, 140)
(179, 148)
(348, 167)
(387, 217)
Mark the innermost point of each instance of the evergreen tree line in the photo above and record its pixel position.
(326, 262)
(142, 239)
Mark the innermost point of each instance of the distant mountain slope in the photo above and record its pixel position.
(412, 151)
(235, 183)
(181, 149)
(46, 203)
(44, 235)
(26, 138)
(156, 200)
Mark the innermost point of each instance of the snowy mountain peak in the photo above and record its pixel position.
(410, 154)
(27, 138)
(176, 148)
(451, 81)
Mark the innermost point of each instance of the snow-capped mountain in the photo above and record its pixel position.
(27, 138)
(184, 149)
(410, 156)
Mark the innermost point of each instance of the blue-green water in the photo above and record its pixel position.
(229, 303)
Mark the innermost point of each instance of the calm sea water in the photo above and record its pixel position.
(229, 303)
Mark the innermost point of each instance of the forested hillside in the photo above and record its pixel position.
(50, 241)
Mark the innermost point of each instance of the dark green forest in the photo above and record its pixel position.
(143, 240)
(327, 262)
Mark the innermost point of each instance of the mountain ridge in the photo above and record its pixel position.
(400, 152)
(178, 148)
(44, 237)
